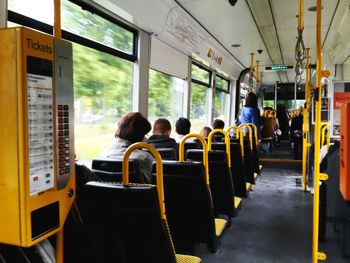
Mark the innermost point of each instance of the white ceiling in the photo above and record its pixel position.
(275, 19)
(236, 25)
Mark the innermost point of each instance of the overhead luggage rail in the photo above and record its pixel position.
(146, 240)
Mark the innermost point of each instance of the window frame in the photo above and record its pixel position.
(48, 29)
(228, 84)
(208, 85)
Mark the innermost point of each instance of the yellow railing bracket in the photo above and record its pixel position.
(321, 256)
(323, 176)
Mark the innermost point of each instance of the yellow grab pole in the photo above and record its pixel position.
(159, 172)
(227, 142)
(205, 152)
(301, 16)
(57, 18)
(239, 135)
(306, 122)
(316, 255)
(255, 132)
(323, 132)
(251, 69)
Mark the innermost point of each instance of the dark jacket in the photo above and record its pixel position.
(162, 141)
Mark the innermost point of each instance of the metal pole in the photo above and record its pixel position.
(316, 255)
(57, 17)
(306, 122)
(295, 96)
(276, 95)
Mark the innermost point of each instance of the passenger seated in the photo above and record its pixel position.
(205, 132)
(132, 128)
(182, 128)
(296, 133)
(161, 135)
(218, 124)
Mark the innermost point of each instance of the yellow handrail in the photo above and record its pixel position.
(159, 168)
(205, 152)
(227, 142)
(316, 255)
(239, 135)
(245, 133)
(255, 132)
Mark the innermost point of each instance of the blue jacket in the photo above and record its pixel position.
(250, 115)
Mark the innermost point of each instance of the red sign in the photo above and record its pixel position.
(339, 98)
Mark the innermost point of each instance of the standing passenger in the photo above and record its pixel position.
(250, 113)
(132, 128)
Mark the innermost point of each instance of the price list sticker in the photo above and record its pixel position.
(40, 128)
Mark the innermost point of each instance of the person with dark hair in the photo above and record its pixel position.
(218, 124)
(296, 134)
(250, 112)
(161, 135)
(182, 127)
(205, 132)
(132, 128)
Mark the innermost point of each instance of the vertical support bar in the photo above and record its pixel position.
(59, 246)
(295, 96)
(306, 122)
(316, 255)
(141, 74)
(211, 99)
(257, 71)
(251, 68)
(301, 16)
(3, 14)
(187, 91)
(276, 95)
(57, 17)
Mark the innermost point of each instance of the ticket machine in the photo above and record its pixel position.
(345, 151)
(37, 175)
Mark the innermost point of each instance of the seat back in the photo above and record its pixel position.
(167, 153)
(268, 127)
(125, 224)
(221, 185)
(110, 170)
(188, 204)
(249, 161)
(238, 172)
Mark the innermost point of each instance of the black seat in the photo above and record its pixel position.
(255, 157)
(220, 179)
(189, 206)
(237, 167)
(110, 170)
(125, 225)
(248, 160)
(167, 153)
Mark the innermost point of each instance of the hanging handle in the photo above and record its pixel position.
(159, 170)
(227, 142)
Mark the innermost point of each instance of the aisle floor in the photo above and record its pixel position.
(273, 226)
